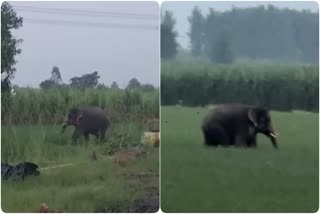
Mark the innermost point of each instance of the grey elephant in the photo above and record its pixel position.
(87, 120)
(237, 124)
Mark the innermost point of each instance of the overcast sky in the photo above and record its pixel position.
(80, 44)
(182, 11)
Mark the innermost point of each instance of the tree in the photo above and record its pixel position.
(266, 33)
(54, 81)
(147, 87)
(9, 44)
(196, 33)
(101, 86)
(9, 49)
(222, 50)
(46, 84)
(85, 81)
(56, 75)
(133, 84)
(114, 85)
(169, 43)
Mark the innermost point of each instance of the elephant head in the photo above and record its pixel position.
(73, 118)
(261, 121)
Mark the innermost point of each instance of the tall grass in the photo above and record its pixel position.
(35, 106)
(279, 87)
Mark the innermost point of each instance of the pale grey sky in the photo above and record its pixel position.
(117, 53)
(182, 10)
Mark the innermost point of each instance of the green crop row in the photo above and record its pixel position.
(29, 105)
(278, 87)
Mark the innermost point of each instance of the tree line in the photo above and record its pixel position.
(257, 33)
(90, 80)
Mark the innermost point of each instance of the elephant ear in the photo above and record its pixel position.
(253, 117)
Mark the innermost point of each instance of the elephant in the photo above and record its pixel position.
(237, 124)
(87, 120)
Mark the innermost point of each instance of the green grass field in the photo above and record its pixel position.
(87, 186)
(199, 179)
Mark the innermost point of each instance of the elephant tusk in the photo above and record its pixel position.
(275, 135)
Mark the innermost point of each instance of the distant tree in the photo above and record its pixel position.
(85, 81)
(101, 86)
(168, 19)
(266, 33)
(47, 84)
(168, 36)
(133, 84)
(9, 44)
(222, 50)
(114, 85)
(55, 80)
(56, 75)
(147, 87)
(196, 33)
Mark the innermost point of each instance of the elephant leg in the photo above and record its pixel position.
(100, 135)
(252, 137)
(75, 135)
(240, 141)
(216, 136)
(86, 137)
(254, 142)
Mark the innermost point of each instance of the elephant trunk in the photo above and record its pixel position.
(64, 125)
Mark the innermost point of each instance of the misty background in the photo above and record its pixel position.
(182, 10)
(119, 40)
(246, 52)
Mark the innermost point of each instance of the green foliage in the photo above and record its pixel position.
(46, 84)
(197, 179)
(50, 106)
(56, 75)
(55, 80)
(9, 49)
(133, 84)
(114, 85)
(168, 36)
(85, 81)
(196, 33)
(280, 87)
(222, 51)
(9, 44)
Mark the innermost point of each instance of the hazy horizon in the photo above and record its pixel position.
(182, 10)
(120, 40)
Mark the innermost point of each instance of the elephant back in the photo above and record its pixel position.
(94, 117)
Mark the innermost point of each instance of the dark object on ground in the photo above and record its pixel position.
(18, 172)
(237, 124)
(145, 205)
(87, 120)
